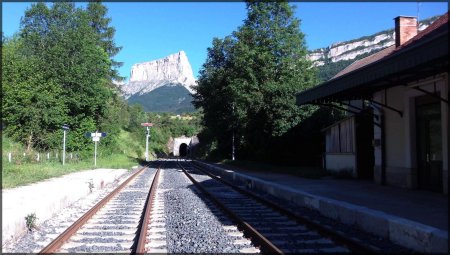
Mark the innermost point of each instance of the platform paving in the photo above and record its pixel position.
(413, 218)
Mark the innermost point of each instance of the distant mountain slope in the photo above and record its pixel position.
(169, 98)
(336, 57)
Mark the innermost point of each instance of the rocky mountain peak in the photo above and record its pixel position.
(172, 70)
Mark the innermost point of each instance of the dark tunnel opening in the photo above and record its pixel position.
(183, 150)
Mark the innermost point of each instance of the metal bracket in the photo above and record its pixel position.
(336, 106)
(344, 109)
(431, 94)
(387, 107)
(352, 106)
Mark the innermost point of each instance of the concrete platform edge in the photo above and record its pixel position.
(13, 223)
(410, 234)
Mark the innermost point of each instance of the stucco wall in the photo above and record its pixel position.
(400, 133)
(341, 162)
(395, 128)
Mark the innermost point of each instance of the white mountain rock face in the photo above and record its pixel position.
(169, 71)
(350, 50)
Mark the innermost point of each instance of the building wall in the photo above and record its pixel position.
(446, 134)
(340, 147)
(341, 163)
(400, 134)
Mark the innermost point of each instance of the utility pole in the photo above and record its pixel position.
(65, 127)
(147, 125)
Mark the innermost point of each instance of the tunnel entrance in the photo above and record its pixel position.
(183, 150)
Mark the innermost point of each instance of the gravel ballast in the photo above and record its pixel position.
(191, 225)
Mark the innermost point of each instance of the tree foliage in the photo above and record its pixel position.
(56, 71)
(105, 35)
(31, 107)
(248, 83)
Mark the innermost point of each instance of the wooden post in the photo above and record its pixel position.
(9, 157)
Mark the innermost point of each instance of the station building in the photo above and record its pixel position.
(397, 127)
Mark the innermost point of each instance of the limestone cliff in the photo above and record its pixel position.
(173, 70)
(354, 48)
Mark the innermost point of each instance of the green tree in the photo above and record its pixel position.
(214, 93)
(105, 35)
(32, 107)
(56, 72)
(248, 84)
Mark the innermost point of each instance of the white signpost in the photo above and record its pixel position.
(95, 138)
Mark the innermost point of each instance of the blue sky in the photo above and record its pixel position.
(153, 30)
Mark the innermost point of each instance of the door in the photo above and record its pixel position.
(364, 149)
(429, 143)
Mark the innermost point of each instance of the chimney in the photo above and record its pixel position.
(405, 29)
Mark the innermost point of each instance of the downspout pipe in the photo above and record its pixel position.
(383, 149)
(383, 142)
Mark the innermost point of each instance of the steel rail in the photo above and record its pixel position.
(353, 245)
(142, 238)
(56, 244)
(266, 245)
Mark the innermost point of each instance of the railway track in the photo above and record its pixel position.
(150, 213)
(272, 228)
(118, 223)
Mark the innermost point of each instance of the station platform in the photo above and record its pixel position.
(412, 218)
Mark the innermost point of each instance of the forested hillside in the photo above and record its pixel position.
(175, 99)
(330, 69)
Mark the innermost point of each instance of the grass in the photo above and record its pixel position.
(129, 146)
(24, 170)
(14, 175)
(305, 172)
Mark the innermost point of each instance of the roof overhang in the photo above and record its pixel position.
(423, 59)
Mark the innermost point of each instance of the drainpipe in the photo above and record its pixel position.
(382, 142)
(383, 150)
